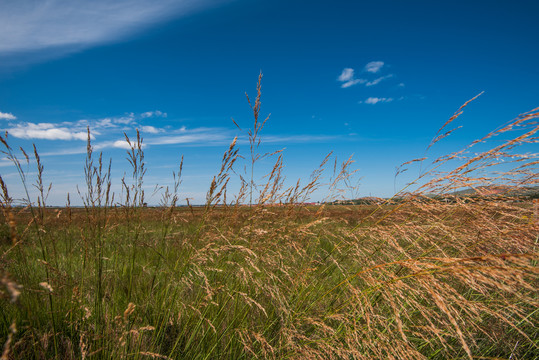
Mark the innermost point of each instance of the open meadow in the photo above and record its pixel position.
(427, 274)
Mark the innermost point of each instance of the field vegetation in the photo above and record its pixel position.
(260, 274)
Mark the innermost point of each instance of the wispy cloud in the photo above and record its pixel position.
(207, 137)
(7, 116)
(120, 144)
(215, 137)
(6, 163)
(130, 119)
(62, 152)
(68, 130)
(77, 130)
(346, 75)
(374, 66)
(297, 138)
(376, 100)
(353, 82)
(156, 113)
(347, 78)
(28, 25)
(46, 131)
(107, 134)
(150, 129)
(377, 80)
(124, 120)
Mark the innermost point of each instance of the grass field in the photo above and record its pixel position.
(414, 279)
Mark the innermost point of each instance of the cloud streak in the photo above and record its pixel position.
(29, 25)
(376, 100)
(353, 82)
(378, 80)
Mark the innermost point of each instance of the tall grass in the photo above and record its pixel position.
(424, 275)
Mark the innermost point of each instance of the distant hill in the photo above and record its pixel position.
(500, 190)
(491, 191)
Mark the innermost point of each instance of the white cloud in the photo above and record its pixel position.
(202, 136)
(155, 113)
(374, 66)
(121, 144)
(124, 120)
(297, 138)
(27, 25)
(347, 78)
(215, 136)
(376, 81)
(114, 122)
(376, 100)
(4, 163)
(401, 85)
(45, 131)
(192, 137)
(346, 75)
(208, 137)
(150, 129)
(105, 123)
(69, 151)
(77, 130)
(7, 116)
(353, 82)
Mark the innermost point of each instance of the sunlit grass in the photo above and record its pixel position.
(423, 275)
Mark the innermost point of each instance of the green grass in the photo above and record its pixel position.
(283, 289)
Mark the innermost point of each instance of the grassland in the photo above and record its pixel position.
(417, 279)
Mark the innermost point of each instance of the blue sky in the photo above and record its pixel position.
(375, 79)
